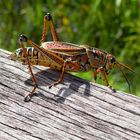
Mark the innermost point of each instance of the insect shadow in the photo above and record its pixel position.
(70, 85)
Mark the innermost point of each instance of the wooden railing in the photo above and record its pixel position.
(73, 110)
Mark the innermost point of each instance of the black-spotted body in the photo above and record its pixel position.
(77, 57)
(64, 56)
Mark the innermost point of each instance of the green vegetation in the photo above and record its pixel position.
(113, 26)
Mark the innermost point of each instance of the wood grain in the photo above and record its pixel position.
(73, 110)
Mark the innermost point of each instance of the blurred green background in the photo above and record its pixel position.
(110, 25)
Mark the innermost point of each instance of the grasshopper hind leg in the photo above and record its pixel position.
(48, 19)
(28, 95)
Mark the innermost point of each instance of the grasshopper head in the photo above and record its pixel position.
(111, 61)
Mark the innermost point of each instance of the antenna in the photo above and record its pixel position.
(130, 69)
(119, 66)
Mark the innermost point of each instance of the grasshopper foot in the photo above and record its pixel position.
(113, 90)
(50, 86)
(27, 97)
(54, 84)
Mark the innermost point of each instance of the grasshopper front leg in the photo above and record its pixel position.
(103, 72)
(28, 96)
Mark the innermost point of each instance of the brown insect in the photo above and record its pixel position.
(64, 56)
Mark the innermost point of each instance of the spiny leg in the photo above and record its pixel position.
(49, 54)
(95, 73)
(61, 76)
(55, 36)
(91, 60)
(103, 72)
(72, 65)
(28, 96)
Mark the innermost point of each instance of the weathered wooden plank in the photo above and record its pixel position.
(75, 109)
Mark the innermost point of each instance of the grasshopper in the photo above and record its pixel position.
(63, 56)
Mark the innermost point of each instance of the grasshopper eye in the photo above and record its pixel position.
(112, 60)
